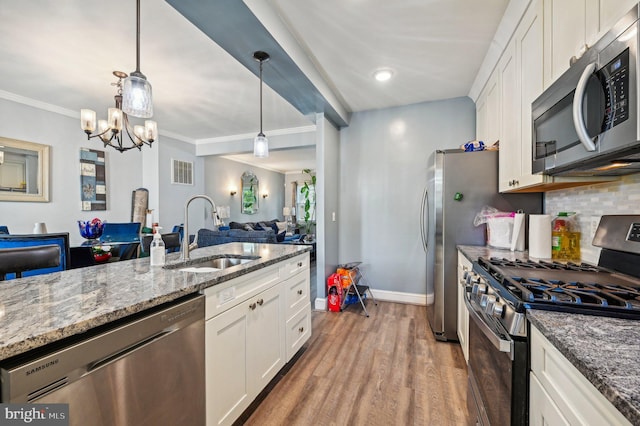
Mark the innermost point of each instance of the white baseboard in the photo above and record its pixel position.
(320, 304)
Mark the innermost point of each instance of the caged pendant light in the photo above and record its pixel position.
(136, 90)
(261, 143)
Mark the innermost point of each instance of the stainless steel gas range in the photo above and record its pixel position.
(499, 292)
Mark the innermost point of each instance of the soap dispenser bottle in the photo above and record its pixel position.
(157, 249)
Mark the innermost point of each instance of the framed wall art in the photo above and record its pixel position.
(93, 182)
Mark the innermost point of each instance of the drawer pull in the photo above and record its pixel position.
(260, 302)
(252, 306)
(301, 329)
(299, 264)
(300, 292)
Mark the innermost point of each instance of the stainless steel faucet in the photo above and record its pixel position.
(184, 252)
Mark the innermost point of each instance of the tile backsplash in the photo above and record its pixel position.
(591, 202)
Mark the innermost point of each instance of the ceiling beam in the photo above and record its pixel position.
(233, 26)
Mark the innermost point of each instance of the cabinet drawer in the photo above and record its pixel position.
(298, 331)
(296, 294)
(226, 295)
(294, 265)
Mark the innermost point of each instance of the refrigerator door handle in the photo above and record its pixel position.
(424, 223)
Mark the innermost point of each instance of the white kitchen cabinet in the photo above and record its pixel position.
(244, 351)
(560, 394)
(464, 265)
(565, 35)
(297, 311)
(248, 336)
(610, 11)
(571, 26)
(522, 77)
(488, 111)
(509, 166)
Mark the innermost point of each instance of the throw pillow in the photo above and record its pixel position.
(282, 226)
(248, 227)
(262, 227)
(280, 236)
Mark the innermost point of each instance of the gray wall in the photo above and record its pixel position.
(149, 168)
(63, 134)
(221, 174)
(383, 171)
(328, 190)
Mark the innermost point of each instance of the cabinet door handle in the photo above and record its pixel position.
(252, 306)
(299, 264)
(301, 329)
(300, 292)
(260, 302)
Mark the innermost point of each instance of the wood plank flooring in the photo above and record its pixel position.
(383, 370)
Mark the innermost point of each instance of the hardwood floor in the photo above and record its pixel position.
(383, 370)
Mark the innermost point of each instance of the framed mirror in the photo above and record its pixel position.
(24, 171)
(250, 191)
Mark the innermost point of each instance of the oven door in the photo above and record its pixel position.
(497, 371)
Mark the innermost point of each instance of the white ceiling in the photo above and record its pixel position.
(63, 53)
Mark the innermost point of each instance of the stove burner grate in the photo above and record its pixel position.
(575, 293)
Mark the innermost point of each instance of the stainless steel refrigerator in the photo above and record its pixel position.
(459, 185)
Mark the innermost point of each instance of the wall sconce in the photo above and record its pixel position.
(265, 194)
(233, 191)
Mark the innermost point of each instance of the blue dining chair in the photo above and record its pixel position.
(4, 229)
(125, 235)
(60, 239)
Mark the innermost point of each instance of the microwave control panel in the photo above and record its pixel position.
(615, 82)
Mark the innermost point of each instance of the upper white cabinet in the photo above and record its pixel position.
(488, 112)
(571, 26)
(518, 79)
(610, 11)
(565, 29)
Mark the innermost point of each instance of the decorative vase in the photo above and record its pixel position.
(92, 229)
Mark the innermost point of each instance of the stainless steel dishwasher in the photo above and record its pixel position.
(146, 371)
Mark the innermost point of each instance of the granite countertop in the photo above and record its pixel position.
(605, 350)
(474, 252)
(38, 310)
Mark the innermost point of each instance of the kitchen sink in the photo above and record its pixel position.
(208, 264)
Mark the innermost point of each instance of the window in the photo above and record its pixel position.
(182, 172)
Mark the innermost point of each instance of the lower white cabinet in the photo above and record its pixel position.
(251, 333)
(464, 265)
(560, 395)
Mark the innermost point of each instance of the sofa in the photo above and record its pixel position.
(272, 231)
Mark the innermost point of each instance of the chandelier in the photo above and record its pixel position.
(111, 131)
(261, 143)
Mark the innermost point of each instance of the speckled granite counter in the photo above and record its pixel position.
(43, 309)
(605, 350)
(474, 252)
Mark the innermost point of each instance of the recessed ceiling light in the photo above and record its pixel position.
(383, 74)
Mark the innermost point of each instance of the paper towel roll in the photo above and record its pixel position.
(517, 236)
(540, 236)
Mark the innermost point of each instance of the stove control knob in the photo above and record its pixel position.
(479, 288)
(487, 300)
(498, 309)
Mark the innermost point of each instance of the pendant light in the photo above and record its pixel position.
(261, 143)
(136, 90)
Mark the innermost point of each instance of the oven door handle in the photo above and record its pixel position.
(578, 118)
(500, 344)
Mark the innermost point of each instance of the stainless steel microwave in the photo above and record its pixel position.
(586, 122)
